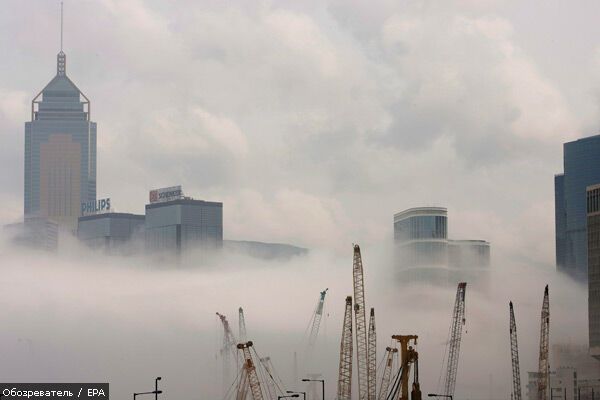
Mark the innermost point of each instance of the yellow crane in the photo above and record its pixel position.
(408, 357)
(249, 375)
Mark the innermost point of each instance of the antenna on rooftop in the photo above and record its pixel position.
(61, 26)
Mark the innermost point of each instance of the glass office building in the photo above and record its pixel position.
(111, 231)
(60, 152)
(421, 244)
(593, 248)
(183, 224)
(424, 254)
(581, 169)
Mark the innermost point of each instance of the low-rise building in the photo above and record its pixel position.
(111, 231)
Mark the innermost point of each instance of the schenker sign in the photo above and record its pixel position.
(166, 194)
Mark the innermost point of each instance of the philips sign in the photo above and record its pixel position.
(166, 194)
(94, 207)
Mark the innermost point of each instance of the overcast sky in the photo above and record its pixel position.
(315, 121)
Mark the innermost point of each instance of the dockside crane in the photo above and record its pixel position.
(544, 362)
(458, 321)
(228, 349)
(361, 324)
(344, 389)
(316, 319)
(390, 354)
(242, 325)
(514, 353)
(372, 357)
(315, 323)
(249, 373)
(271, 384)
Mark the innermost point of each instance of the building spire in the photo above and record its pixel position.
(61, 58)
(61, 26)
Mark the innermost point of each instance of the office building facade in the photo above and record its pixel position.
(581, 169)
(60, 152)
(593, 249)
(421, 244)
(183, 224)
(111, 231)
(469, 254)
(424, 254)
(35, 232)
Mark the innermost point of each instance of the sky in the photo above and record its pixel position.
(315, 121)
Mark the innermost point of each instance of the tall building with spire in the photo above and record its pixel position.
(60, 151)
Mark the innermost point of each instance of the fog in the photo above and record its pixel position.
(82, 316)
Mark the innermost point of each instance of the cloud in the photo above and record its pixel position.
(356, 110)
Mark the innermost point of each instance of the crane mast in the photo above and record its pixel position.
(458, 320)
(360, 323)
(250, 369)
(242, 325)
(227, 349)
(387, 372)
(316, 322)
(372, 357)
(408, 356)
(514, 352)
(544, 363)
(271, 384)
(344, 391)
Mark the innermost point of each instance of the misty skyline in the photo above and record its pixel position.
(314, 123)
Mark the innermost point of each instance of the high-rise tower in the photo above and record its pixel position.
(60, 151)
(581, 169)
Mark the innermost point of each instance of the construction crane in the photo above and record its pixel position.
(458, 320)
(228, 348)
(372, 357)
(270, 381)
(242, 325)
(408, 357)
(249, 374)
(514, 352)
(344, 391)
(361, 324)
(316, 319)
(544, 364)
(387, 372)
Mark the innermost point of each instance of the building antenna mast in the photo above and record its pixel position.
(61, 26)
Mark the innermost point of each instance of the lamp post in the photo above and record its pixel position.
(157, 392)
(449, 396)
(302, 393)
(317, 380)
(158, 378)
(285, 397)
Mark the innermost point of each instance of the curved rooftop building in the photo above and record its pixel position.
(421, 243)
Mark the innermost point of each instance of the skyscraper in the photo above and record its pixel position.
(593, 241)
(581, 169)
(60, 151)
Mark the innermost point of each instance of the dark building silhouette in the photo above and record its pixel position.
(581, 169)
